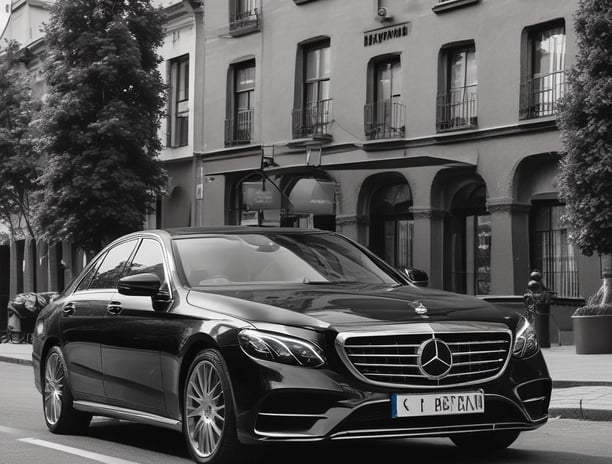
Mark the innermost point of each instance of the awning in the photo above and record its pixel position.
(313, 196)
(260, 195)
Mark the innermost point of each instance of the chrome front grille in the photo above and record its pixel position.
(393, 359)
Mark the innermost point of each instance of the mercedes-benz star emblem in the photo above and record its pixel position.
(435, 358)
(419, 308)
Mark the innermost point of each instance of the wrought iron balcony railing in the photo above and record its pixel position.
(244, 19)
(239, 129)
(384, 119)
(540, 93)
(312, 120)
(458, 108)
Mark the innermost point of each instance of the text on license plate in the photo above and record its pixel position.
(437, 404)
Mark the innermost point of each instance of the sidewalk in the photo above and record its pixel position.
(582, 384)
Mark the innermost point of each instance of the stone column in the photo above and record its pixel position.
(16, 269)
(67, 261)
(509, 247)
(350, 225)
(427, 243)
(52, 268)
(42, 266)
(29, 265)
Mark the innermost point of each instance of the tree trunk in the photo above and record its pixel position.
(606, 276)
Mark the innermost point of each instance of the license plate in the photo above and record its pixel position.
(437, 404)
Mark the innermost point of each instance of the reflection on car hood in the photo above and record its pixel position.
(340, 305)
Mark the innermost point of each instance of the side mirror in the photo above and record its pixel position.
(146, 284)
(416, 276)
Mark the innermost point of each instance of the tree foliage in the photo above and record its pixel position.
(19, 167)
(585, 120)
(101, 117)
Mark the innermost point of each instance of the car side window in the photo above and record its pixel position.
(86, 280)
(148, 258)
(112, 266)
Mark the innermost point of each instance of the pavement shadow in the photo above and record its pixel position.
(433, 451)
(171, 443)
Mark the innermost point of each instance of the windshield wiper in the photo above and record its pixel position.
(330, 282)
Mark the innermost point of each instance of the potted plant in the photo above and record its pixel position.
(593, 328)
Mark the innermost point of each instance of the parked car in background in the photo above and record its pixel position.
(244, 335)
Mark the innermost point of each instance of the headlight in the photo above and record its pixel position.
(525, 341)
(279, 348)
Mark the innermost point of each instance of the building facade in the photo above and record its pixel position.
(424, 130)
(182, 54)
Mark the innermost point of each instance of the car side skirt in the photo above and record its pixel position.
(127, 414)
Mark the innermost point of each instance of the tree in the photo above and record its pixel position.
(585, 121)
(103, 110)
(19, 166)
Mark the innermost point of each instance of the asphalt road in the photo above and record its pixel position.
(25, 439)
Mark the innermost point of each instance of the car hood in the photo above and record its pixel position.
(344, 305)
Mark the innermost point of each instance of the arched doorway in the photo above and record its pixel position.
(467, 243)
(391, 223)
(549, 248)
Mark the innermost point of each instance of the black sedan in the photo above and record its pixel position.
(241, 335)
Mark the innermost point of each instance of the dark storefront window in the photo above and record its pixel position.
(482, 254)
(392, 225)
(551, 252)
(467, 249)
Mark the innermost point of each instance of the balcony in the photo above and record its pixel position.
(540, 94)
(313, 120)
(458, 109)
(244, 19)
(239, 129)
(449, 5)
(385, 119)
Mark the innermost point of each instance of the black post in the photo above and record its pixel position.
(537, 306)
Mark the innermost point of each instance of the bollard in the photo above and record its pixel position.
(537, 306)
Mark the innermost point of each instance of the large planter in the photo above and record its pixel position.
(593, 334)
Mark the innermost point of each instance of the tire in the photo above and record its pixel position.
(485, 441)
(209, 418)
(59, 414)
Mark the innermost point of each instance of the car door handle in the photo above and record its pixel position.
(69, 308)
(114, 307)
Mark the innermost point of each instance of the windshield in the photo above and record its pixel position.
(223, 259)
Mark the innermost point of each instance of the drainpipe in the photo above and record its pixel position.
(197, 7)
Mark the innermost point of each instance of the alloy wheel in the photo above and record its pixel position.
(205, 409)
(54, 388)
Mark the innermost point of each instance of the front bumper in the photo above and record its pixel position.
(289, 404)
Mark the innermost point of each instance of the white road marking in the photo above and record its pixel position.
(10, 430)
(76, 451)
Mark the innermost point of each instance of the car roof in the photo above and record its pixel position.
(187, 231)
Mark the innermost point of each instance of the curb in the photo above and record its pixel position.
(23, 362)
(580, 383)
(580, 414)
